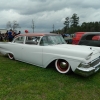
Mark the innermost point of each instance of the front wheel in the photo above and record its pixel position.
(10, 56)
(62, 66)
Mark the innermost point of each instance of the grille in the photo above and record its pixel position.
(95, 62)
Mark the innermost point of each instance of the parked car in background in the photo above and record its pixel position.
(77, 37)
(43, 49)
(90, 39)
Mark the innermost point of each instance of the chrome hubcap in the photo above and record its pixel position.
(63, 65)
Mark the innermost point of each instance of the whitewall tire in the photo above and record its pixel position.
(11, 56)
(62, 66)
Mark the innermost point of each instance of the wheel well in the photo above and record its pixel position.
(52, 64)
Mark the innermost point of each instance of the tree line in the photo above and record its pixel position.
(71, 25)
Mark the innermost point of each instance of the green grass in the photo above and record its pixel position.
(22, 81)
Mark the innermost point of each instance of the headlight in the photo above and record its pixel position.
(84, 65)
(89, 56)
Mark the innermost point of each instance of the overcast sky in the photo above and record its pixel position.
(45, 13)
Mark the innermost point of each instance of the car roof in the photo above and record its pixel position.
(91, 33)
(36, 34)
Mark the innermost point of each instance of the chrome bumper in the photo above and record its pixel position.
(94, 67)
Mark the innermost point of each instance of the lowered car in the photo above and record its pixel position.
(43, 49)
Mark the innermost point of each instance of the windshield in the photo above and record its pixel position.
(52, 40)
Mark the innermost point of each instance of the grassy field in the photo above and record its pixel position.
(21, 81)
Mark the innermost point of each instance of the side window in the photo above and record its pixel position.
(32, 40)
(19, 40)
(43, 41)
(46, 40)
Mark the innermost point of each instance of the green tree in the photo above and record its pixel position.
(66, 23)
(74, 20)
(97, 26)
(12, 25)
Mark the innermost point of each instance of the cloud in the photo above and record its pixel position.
(46, 13)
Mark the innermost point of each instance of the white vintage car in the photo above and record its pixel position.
(43, 49)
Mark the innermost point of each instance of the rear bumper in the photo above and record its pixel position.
(87, 71)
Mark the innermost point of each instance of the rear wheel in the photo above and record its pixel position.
(62, 66)
(10, 56)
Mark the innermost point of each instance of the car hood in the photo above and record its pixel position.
(77, 48)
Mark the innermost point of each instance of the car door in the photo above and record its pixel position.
(17, 47)
(32, 53)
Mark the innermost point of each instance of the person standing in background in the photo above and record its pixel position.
(1, 38)
(10, 36)
(13, 34)
(19, 32)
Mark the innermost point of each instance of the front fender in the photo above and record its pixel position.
(73, 62)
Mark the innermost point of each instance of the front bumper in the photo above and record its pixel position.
(87, 71)
(94, 67)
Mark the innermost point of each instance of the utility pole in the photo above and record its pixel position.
(32, 25)
(53, 28)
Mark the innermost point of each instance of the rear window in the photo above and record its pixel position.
(93, 37)
(97, 37)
